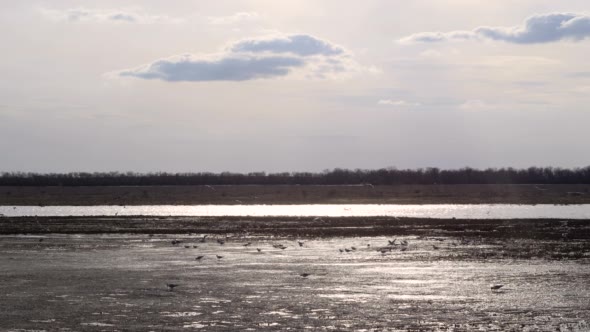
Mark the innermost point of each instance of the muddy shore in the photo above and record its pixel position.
(290, 274)
(282, 194)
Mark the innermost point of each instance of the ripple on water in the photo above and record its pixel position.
(180, 314)
(97, 324)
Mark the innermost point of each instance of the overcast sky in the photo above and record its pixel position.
(266, 85)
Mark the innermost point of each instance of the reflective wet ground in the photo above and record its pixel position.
(119, 282)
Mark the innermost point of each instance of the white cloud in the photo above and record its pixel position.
(540, 28)
(400, 103)
(256, 58)
(236, 18)
(80, 15)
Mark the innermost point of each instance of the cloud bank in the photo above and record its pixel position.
(543, 28)
(249, 59)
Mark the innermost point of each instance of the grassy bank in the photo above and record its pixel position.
(294, 194)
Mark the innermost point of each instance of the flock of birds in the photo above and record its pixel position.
(391, 245)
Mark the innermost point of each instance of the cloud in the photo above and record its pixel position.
(303, 45)
(236, 18)
(224, 68)
(256, 58)
(541, 28)
(80, 15)
(400, 103)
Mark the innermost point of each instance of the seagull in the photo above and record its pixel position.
(171, 286)
(434, 247)
(175, 242)
(187, 247)
(195, 247)
(353, 248)
(220, 241)
(259, 250)
(300, 243)
(199, 258)
(305, 275)
(391, 242)
(247, 244)
(341, 251)
(347, 250)
(203, 239)
(496, 287)
(404, 249)
(404, 243)
(219, 257)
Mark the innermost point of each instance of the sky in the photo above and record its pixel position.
(302, 85)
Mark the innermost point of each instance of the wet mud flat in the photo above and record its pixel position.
(415, 275)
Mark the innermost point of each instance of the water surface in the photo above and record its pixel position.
(460, 211)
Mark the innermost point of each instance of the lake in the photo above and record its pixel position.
(459, 211)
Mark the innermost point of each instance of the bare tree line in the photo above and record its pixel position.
(338, 176)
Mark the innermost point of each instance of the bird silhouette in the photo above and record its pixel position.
(199, 258)
(341, 251)
(259, 250)
(347, 250)
(496, 287)
(203, 239)
(353, 248)
(391, 242)
(300, 243)
(219, 257)
(171, 286)
(220, 241)
(247, 244)
(305, 275)
(435, 247)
